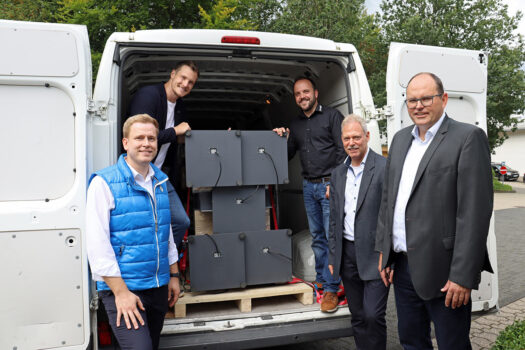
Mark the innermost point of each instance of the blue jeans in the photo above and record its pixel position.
(318, 212)
(179, 220)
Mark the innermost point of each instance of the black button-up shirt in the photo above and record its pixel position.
(318, 140)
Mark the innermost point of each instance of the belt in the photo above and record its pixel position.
(318, 180)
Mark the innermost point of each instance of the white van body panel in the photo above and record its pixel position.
(45, 84)
(464, 77)
(42, 202)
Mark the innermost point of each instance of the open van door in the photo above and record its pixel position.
(45, 86)
(464, 76)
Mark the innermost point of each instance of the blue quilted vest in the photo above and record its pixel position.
(139, 227)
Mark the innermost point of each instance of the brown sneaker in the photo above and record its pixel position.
(329, 303)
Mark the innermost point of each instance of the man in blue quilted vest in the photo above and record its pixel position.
(129, 242)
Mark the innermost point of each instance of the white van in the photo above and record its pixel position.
(55, 132)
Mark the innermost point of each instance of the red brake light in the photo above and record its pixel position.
(104, 334)
(240, 40)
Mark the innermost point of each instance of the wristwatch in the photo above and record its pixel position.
(176, 274)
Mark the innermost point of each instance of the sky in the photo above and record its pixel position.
(514, 5)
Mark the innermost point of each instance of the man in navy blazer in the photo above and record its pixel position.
(164, 103)
(355, 197)
(434, 219)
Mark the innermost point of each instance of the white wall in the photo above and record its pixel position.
(512, 152)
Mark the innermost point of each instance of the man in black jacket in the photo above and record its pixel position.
(316, 135)
(164, 103)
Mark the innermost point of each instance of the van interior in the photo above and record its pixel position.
(242, 89)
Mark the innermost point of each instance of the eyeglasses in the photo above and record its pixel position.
(426, 101)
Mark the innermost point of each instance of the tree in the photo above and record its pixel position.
(338, 20)
(471, 24)
(28, 10)
(239, 14)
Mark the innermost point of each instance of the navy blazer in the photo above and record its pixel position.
(368, 202)
(152, 100)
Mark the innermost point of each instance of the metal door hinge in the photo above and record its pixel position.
(97, 110)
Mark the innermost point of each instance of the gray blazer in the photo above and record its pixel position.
(368, 202)
(449, 209)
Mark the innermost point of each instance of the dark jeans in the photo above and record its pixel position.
(179, 220)
(147, 337)
(367, 302)
(414, 315)
(318, 212)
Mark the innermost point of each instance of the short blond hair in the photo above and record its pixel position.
(139, 118)
(354, 118)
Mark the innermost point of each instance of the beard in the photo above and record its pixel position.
(310, 105)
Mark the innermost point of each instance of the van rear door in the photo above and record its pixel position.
(45, 84)
(464, 76)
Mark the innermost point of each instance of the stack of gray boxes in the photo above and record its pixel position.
(236, 166)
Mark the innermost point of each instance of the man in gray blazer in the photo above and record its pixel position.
(434, 219)
(355, 197)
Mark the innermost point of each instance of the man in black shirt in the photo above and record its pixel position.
(316, 134)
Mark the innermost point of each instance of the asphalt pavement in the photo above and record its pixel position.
(510, 241)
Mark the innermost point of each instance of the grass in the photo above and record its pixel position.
(498, 186)
(512, 337)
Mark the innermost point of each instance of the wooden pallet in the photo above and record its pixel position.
(244, 297)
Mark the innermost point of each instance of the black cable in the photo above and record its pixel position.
(276, 187)
(220, 168)
(217, 253)
(279, 254)
(274, 167)
(250, 195)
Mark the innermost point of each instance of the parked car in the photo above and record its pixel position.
(511, 175)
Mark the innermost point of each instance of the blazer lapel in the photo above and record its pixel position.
(438, 138)
(368, 174)
(343, 173)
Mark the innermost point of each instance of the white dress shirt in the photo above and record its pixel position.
(415, 154)
(353, 183)
(170, 123)
(99, 204)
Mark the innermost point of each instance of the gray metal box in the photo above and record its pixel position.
(264, 158)
(217, 261)
(213, 158)
(238, 209)
(268, 256)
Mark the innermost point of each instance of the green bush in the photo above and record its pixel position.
(512, 337)
(498, 186)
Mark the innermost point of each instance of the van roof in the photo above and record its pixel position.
(214, 36)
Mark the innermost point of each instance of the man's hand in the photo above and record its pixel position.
(456, 294)
(387, 274)
(331, 268)
(173, 291)
(327, 194)
(182, 128)
(126, 303)
(282, 132)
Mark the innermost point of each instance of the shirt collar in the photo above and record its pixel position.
(348, 161)
(319, 109)
(430, 132)
(138, 176)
